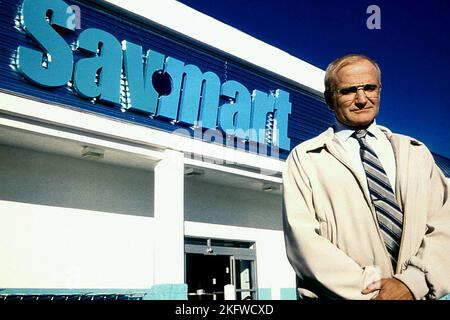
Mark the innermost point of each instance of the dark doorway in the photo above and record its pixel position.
(212, 264)
(207, 276)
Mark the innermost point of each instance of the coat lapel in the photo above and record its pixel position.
(336, 149)
(404, 193)
(401, 155)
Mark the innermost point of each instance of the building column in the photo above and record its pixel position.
(169, 226)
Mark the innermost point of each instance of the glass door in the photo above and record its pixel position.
(210, 265)
(207, 276)
(243, 276)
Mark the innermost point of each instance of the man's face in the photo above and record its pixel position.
(357, 107)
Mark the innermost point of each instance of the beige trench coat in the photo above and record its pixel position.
(331, 233)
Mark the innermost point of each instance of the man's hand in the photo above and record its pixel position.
(390, 289)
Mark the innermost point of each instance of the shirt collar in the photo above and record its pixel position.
(344, 132)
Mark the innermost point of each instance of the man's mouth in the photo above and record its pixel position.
(361, 109)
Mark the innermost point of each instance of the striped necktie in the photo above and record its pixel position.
(389, 215)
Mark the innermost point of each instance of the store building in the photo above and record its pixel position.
(141, 149)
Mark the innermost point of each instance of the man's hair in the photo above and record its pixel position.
(338, 64)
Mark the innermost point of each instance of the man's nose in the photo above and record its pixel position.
(361, 98)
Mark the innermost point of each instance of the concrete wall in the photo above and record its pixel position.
(72, 223)
(47, 179)
(54, 247)
(214, 203)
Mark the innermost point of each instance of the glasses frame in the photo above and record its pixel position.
(367, 88)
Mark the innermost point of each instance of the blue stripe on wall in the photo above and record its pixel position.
(264, 294)
(168, 292)
(156, 292)
(447, 297)
(288, 294)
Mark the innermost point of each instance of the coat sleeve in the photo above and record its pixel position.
(427, 274)
(314, 258)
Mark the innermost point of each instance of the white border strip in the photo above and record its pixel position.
(150, 154)
(98, 124)
(239, 172)
(194, 24)
(220, 231)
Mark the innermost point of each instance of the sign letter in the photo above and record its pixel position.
(52, 66)
(99, 76)
(235, 115)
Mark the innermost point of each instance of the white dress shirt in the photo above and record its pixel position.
(379, 143)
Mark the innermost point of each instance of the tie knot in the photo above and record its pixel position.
(360, 134)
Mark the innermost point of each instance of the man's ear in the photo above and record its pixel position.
(329, 99)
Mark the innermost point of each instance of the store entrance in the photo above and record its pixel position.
(207, 276)
(213, 264)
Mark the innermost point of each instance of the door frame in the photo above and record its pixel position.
(242, 250)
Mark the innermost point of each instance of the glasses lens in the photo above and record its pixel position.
(348, 91)
(370, 87)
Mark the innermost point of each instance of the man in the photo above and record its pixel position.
(366, 212)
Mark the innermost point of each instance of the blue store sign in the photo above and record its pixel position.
(144, 77)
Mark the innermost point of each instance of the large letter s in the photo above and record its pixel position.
(53, 66)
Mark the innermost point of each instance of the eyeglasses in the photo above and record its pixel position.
(370, 90)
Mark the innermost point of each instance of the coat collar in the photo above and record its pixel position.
(344, 132)
(401, 145)
(328, 138)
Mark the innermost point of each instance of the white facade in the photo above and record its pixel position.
(120, 222)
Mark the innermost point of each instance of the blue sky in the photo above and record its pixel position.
(412, 48)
